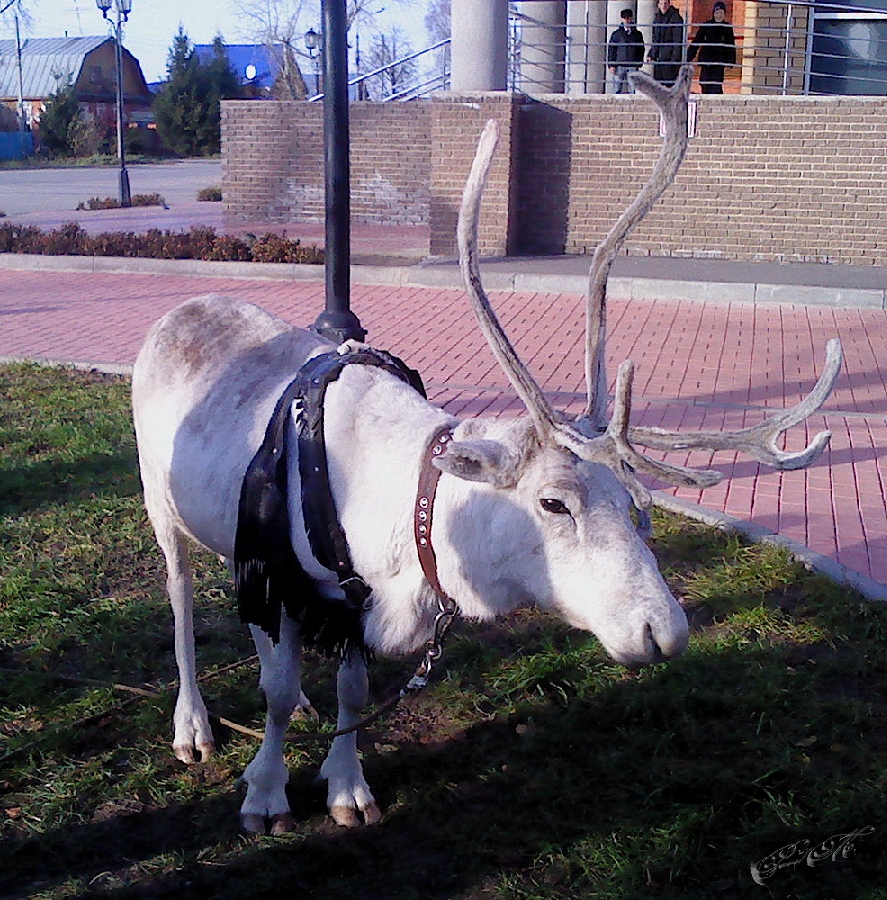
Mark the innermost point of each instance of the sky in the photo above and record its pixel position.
(153, 24)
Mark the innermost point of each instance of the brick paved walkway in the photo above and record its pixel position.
(708, 365)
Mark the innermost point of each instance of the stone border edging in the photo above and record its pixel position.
(868, 587)
(448, 276)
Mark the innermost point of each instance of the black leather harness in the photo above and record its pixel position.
(268, 575)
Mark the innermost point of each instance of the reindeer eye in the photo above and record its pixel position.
(551, 505)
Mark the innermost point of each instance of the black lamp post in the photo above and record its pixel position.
(122, 9)
(337, 322)
(312, 43)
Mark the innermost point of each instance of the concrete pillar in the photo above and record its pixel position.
(644, 19)
(479, 49)
(587, 24)
(543, 46)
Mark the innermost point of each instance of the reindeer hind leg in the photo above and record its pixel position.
(192, 733)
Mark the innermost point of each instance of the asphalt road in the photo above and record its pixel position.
(49, 190)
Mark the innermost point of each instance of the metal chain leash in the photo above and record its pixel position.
(434, 647)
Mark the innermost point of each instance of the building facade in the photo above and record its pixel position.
(87, 63)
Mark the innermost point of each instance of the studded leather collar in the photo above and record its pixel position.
(424, 509)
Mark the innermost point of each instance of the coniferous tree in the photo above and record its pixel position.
(220, 83)
(59, 114)
(188, 108)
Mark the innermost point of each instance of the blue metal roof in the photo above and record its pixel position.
(252, 62)
(47, 63)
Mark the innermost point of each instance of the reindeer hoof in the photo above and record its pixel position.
(206, 751)
(282, 823)
(185, 753)
(372, 815)
(346, 816)
(253, 823)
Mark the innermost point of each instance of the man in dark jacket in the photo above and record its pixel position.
(667, 49)
(715, 45)
(625, 52)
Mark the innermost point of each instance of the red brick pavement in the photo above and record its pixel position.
(705, 365)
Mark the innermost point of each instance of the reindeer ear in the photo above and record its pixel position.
(477, 460)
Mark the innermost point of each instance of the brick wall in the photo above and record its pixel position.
(766, 177)
(272, 161)
(771, 178)
(772, 30)
(457, 123)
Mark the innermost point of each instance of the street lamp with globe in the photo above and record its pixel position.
(312, 45)
(122, 9)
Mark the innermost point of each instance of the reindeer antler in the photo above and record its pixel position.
(611, 448)
(466, 238)
(759, 441)
(672, 105)
(588, 437)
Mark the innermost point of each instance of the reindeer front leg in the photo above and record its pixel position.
(348, 791)
(266, 808)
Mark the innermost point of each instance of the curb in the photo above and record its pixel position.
(447, 275)
(868, 587)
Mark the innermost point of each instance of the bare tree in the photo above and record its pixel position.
(437, 20)
(363, 12)
(438, 27)
(19, 10)
(385, 51)
(281, 26)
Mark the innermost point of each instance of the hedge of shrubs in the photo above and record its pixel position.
(211, 194)
(114, 203)
(200, 242)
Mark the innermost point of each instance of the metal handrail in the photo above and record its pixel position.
(420, 90)
(359, 79)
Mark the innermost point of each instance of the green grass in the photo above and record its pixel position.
(532, 768)
(79, 162)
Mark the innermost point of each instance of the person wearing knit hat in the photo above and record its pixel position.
(714, 44)
(625, 52)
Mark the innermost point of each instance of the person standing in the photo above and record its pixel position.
(667, 48)
(715, 45)
(625, 52)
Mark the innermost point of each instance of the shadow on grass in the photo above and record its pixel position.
(670, 783)
(29, 487)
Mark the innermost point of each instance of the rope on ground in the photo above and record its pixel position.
(154, 693)
(138, 692)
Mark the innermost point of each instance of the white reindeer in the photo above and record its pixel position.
(533, 509)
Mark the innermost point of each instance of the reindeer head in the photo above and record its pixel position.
(532, 522)
(580, 478)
